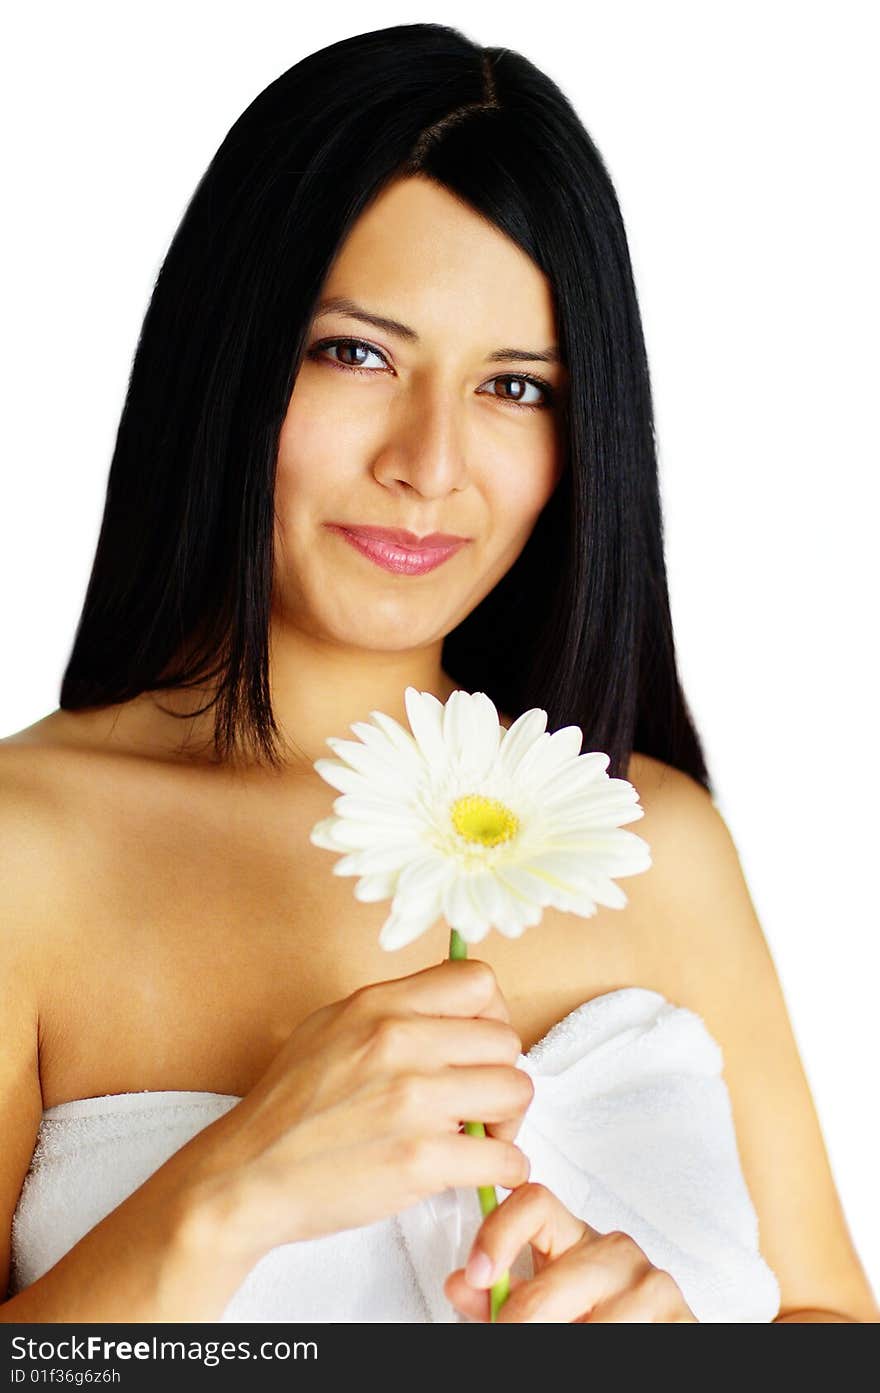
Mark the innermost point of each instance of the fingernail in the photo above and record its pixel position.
(479, 1269)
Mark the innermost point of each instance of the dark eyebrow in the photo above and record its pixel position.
(341, 305)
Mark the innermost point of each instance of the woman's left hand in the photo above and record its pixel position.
(579, 1274)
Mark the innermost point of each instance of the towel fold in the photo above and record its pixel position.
(630, 1125)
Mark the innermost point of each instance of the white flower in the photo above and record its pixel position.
(482, 825)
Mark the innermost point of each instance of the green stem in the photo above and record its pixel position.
(500, 1290)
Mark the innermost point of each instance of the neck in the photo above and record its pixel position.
(317, 690)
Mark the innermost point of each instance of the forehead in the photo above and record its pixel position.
(423, 255)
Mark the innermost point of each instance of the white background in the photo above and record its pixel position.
(742, 141)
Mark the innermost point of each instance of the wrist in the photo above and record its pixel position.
(213, 1247)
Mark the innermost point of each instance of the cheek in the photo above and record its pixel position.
(520, 490)
(320, 441)
(316, 467)
(298, 477)
(301, 449)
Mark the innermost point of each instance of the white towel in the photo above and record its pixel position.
(630, 1125)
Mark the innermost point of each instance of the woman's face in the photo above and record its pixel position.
(436, 429)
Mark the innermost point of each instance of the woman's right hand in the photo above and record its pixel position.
(359, 1114)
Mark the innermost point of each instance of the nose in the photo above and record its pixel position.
(423, 449)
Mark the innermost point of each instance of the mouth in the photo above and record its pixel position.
(398, 551)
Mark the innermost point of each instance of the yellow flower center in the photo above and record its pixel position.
(483, 820)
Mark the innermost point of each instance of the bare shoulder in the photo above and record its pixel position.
(25, 809)
(697, 904)
(712, 956)
(36, 765)
(23, 888)
(23, 842)
(38, 822)
(662, 786)
(709, 952)
(679, 820)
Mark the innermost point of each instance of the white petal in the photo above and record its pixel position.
(349, 865)
(342, 777)
(456, 722)
(475, 932)
(640, 851)
(487, 894)
(378, 860)
(375, 887)
(425, 714)
(602, 891)
(426, 874)
(403, 927)
(372, 737)
(582, 801)
(399, 748)
(521, 881)
(583, 812)
(399, 737)
(528, 917)
(575, 876)
(354, 834)
(455, 902)
(389, 813)
(488, 731)
(324, 834)
(572, 780)
(511, 913)
(461, 912)
(511, 927)
(521, 912)
(608, 892)
(532, 759)
(520, 737)
(582, 905)
(472, 732)
(613, 851)
(388, 776)
(560, 864)
(541, 764)
(602, 794)
(601, 810)
(576, 873)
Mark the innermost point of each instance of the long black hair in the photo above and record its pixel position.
(181, 585)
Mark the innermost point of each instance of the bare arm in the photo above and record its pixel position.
(150, 1258)
(158, 1256)
(725, 972)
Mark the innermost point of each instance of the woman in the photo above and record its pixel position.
(400, 299)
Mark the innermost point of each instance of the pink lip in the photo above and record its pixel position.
(399, 551)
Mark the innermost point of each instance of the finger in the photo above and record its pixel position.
(572, 1286)
(467, 1299)
(654, 1297)
(491, 1093)
(435, 1041)
(530, 1214)
(455, 987)
(442, 1160)
(508, 1130)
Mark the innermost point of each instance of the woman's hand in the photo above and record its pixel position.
(359, 1114)
(580, 1274)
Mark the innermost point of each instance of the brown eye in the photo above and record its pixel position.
(521, 386)
(360, 351)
